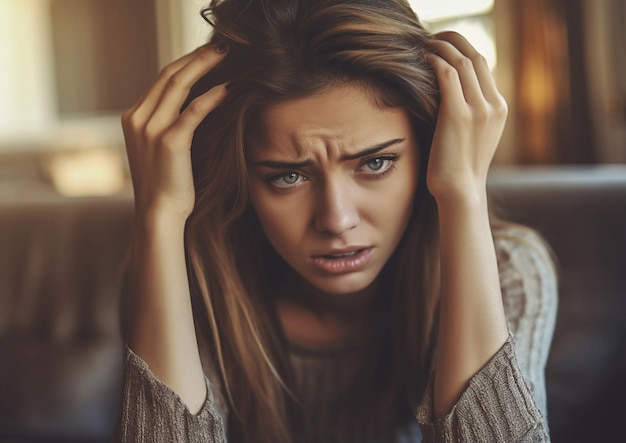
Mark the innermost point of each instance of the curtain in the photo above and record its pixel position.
(551, 88)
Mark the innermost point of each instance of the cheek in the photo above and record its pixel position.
(279, 220)
(393, 209)
(268, 215)
(397, 211)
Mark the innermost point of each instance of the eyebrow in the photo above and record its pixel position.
(363, 153)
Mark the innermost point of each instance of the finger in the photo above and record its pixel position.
(177, 88)
(481, 67)
(452, 96)
(197, 111)
(463, 65)
(150, 98)
(135, 118)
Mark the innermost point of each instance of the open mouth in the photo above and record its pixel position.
(343, 255)
(342, 262)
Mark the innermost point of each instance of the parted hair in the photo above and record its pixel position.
(281, 50)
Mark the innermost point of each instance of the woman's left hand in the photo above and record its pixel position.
(470, 122)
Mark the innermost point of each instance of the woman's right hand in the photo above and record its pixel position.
(158, 136)
(158, 143)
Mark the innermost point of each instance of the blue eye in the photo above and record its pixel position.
(378, 165)
(287, 180)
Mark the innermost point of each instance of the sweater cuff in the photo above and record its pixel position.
(148, 404)
(497, 405)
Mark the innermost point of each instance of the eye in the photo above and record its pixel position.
(287, 180)
(378, 165)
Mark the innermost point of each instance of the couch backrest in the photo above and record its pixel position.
(581, 212)
(61, 259)
(60, 262)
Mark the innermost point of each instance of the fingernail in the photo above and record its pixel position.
(222, 47)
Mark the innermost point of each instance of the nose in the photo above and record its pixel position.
(336, 211)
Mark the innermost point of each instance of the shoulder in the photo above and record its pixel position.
(527, 275)
(529, 296)
(523, 257)
(521, 251)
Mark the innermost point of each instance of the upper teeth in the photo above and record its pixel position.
(345, 254)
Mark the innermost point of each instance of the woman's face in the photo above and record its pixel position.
(332, 180)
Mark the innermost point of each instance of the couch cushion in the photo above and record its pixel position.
(581, 212)
(59, 293)
(60, 343)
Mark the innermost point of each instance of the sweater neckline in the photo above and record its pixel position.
(358, 341)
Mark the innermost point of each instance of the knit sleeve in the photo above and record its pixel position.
(151, 412)
(497, 405)
(505, 400)
(529, 294)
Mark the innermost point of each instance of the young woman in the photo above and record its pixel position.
(313, 257)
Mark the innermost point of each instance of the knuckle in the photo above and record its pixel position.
(167, 71)
(502, 103)
(501, 108)
(126, 116)
(131, 121)
(479, 60)
(195, 107)
(150, 131)
(176, 81)
(167, 142)
(163, 142)
(482, 113)
(464, 63)
(449, 73)
(207, 55)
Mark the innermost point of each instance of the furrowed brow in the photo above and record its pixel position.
(273, 164)
(282, 165)
(372, 150)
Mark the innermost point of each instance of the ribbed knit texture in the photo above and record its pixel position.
(151, 412)
(504, 402)
(497, 406)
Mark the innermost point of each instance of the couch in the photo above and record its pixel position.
(61, 262)
(581, 212)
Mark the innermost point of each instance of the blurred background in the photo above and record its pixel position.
(69, 68)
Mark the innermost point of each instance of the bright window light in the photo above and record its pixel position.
(435, 10)
(88, 172)
(470, 18)
(476, 32)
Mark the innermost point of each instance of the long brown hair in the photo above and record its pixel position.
(280, 50)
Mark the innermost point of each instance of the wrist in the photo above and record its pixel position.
(462, 199)
(158, 224)
(456, 185)
(157, 216)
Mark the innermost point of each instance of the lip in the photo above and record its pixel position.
(343, 265)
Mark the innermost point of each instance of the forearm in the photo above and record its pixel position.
(158, 138)
(161, 321)
(472, 322)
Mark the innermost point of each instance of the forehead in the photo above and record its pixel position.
(345, 116)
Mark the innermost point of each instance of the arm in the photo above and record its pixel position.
(469, 125)
(151, 412)
(498, 405)
(505, 400)
(472, 325)
(529, 293)
(158, 140)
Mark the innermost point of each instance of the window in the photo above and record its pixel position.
(74, 66)
(471, 18)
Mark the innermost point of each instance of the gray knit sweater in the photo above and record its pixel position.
(504, 402)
